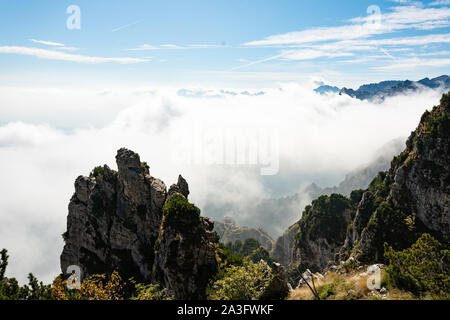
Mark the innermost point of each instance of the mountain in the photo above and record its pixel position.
(411, 198)
(381, 90)
(126, 220)
(229, 231)
(325, 89)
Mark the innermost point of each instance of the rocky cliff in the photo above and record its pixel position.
(126, 220)
(322, 231)
(283, 250)
(411, 198)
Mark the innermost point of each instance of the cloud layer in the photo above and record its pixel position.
(320, 139)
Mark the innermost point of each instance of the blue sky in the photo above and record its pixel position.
(224, 43)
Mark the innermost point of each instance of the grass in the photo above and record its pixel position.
(336, 286)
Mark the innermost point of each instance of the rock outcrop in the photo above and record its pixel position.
(117, 218)
(283, 250)
(322, 231)
(279, 287)
(185, 250)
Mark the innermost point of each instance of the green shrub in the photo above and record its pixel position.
(246, 282)
(422, 268)
(356, 196)
(180, 213)
(326, 291)
(150, 292)
(97, 173)
(324, 216)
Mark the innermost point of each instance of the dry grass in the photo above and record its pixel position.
(336, 286)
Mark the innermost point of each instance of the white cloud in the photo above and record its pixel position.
(440, 3)
(126, 26)
(144, 47)
(56, 55)
(171, 46)
(48, 43)
(56, 45)
(408, 64)
(401, 18)
(308, 54)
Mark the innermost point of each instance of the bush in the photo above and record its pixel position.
(180, 213)
(356, 196)
(108, 287)
(422, 268)
(324, 217)
(150, 292)
(326, 291)
(97, 172)
(246, 282)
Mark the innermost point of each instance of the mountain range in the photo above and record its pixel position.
(381, 90)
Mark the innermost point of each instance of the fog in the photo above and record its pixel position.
(229, 147)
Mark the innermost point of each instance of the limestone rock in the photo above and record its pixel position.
(283, 250)
(116, 219)
(279, 287)
(186, 250)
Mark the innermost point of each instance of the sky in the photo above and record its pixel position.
(172, 80)
(249, 43)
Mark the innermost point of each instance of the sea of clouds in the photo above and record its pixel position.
(50, 136)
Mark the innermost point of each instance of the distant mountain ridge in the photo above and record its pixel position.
(381, 90)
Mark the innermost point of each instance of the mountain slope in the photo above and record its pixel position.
(411, 198)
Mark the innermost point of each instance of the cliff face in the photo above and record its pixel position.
(411, 198)
(185, 250)
(116, 218)
(283, 250)
(322, 231)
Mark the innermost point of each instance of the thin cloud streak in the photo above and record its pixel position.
(126, 26)
(48, 43)
(56, 55)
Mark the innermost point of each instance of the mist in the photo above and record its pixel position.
(231, 148)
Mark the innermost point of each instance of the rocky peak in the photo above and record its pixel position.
(181, 187)
(125, 220)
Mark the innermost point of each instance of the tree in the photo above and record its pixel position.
(3, 263)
